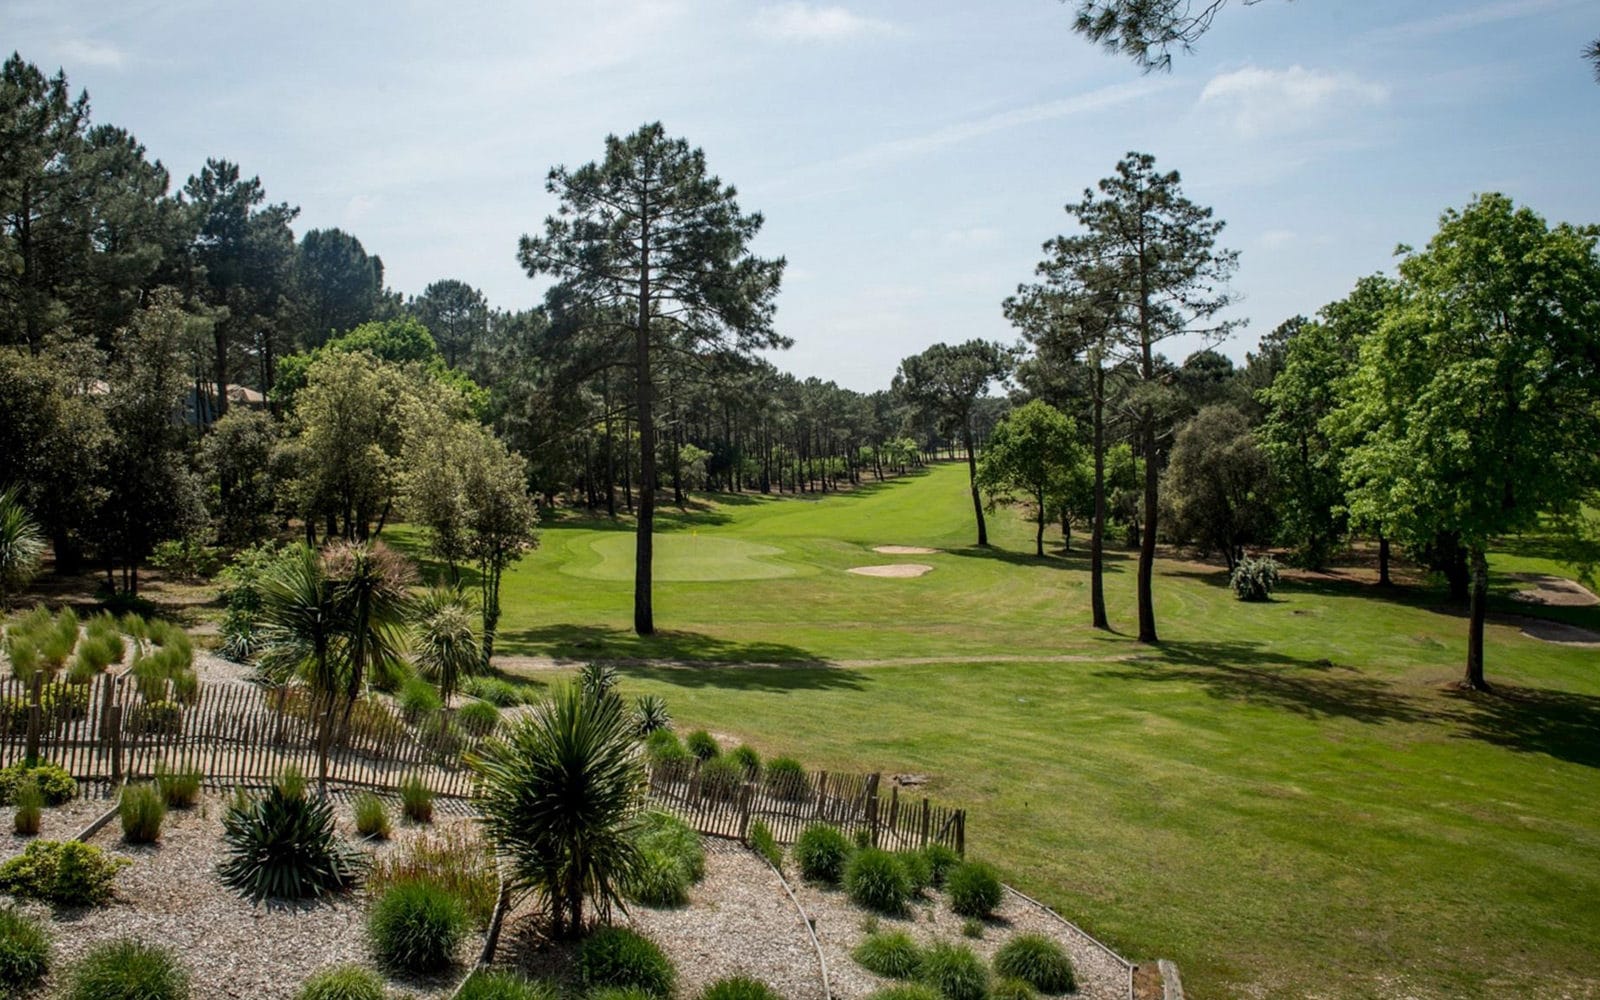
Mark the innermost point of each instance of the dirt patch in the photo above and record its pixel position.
(904, 550)
(895, 570)
(1554, 592)
(1566, 635)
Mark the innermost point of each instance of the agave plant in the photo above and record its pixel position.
(284, 846)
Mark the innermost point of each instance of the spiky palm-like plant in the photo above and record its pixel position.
(21, 544)
(285, 846)
(371, 589)
(443, 642)
(557, 794)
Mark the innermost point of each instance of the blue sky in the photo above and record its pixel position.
(910, 156)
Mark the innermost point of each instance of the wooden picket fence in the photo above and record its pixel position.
(233, 733)
(716, 804)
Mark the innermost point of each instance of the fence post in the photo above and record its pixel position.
(961, 832)
(116, 743)
(34, 718)
(822, 793)
(745, 795)
(894, 811)
(872, 807)
(927, 822)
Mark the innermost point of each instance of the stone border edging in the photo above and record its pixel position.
(1129, 966)
(1171, 984)
(805, 918)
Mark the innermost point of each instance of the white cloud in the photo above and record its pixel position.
(88, 52)
(1261, 101)
(804, 22)
(1472, 17)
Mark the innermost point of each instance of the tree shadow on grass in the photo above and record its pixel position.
(1077, 559)
(1561, 724)
(602, 642)
(1247, 672)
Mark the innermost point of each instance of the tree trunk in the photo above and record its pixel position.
(1147, 539)
(1038, 531)
(1383, 561)
(643, 613)
(1478, 603)
(972, 482)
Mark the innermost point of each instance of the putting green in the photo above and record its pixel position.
(682, 556)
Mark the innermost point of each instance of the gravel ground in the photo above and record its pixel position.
(171, 895)
(841, 925)
(57, 822)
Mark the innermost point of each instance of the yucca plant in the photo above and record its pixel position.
(443, 641)
(597, 679)
(650, 714)
(21, 544)
(286, 847)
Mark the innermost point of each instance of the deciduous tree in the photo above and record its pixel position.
(1033, 451)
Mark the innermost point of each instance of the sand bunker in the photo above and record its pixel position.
(904, 550)
(894, 570)
(1566, 635)
(1555, 591)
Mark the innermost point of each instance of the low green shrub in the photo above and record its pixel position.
(620, 957)
(919, 872)
(28, 801)
(974, 889)
(618, 993)
(494, 690)
(877, 880)
(955, 971)
(54, 648)
(671, 858)
(502, 984)
(24, 951)
(941, 860)
(291, 783)
(786, 779)
(53, 781)
(67, 872)
(180, 786)
(721, 777)
(142, 810)
(747, 757)
(416, 926)
(342, 982)
(416, 800)
(95, 654)
(891, 954)
(657, 880)
(285, 846)
(972, 927)
(906, 991)
(821, 852)
(477, 718)
(1254, 579)
(650, 714)
(664, 747)
(766, 844)
(418, 698)
(1012, 989)
(372, 817)
(663, 831)
(1037, 961)
(739, 988)
(702, 744)
(26, 659)
(128, 970)
(186, 558)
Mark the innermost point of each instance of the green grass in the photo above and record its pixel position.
(1286, 798)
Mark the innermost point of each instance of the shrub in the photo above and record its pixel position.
(1254, 579)
(919, 872)
(52, 780)
(617, 956)
(821, 852)
(721, 777)
(891, 954)
(416, 800)
(61, 871)
(156, 718)
(972, 927)
(54, 648)
(702, 744)
(372, 817)
(501, 984)
(766, 844)
(650, 714)
(861, 837)
(494, 690)
(342, 982)
(667, 833)
(29, 802)
(941, 860)
(128, 970)
(664, 747)
(456, 858)
(619, 993)
(1012, 989)
(415, 927)
(64, 702)
(284, 846)
(24, 951)
(418, 698)
(187, 558)
(738, 988)
(1037, 961)
(906, 991)
(142, 810)
(26, 660)
(974, 889)
(786, 778)
(180, 787)
(657, 880)
(955, 972)
(747, 757)
(876, 879)
(477, 718)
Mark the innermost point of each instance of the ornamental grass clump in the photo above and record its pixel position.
(766, 844)
(906, 991)
(974, 889)
(786, 779)
(1012, 989)
(955, 971)
(416, 926)
(284, 846)
(821, 852)
(721, 777)
(342, 982)
(889, 953)
(142, 811)
(620, 957)
(372, 817)
(664, 747)
(1038, 961)
(126, 969)
(738, 988)
(477, 718)
(919, 871)
(503, 984)
(877, 880)
(746, 757)
(941, 860)
(179, 786)
(702, 744)
(456, 858)
(494, 690)
(418, 698)
(28, 801)
(671, 859)
(24, 951)
(416, 800)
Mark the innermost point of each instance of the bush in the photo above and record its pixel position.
(955, 972)
(415, 927)
(24, 951)
(418, 698)
(53, 781)
(416, 800)
(26, 660)
(284, 846)
(156, 718)
(54, 648)
(906, 991)
(786, 778)
(180, 787)
(494, 690)
(619, 993)
(919, 872)
(142, 809)
(64, 702)
(665, 832)
(974, 889)
(1037, 961)
(941, 860)
(456, 859)
(128, 970)
(671, 859)
(721, 777)
(186, 559)
(702, 744)
(61, 871)
(342, 982)
(477, 718)
(1012, 989)
(500, 984)
(1254, 579)
(664, 747)
(746, 757)
(766, 844)
(891, 954)
(821, 852)
(372, 817)
(619, 957)
(657, 880)
(877, 880)
(94, 656)
(739, 988)
(972, 927)
(650, 714)
(291, 783)
(29, 802)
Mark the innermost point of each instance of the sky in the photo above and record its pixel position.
(909, 156)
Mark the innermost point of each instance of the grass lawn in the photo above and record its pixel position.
(1288, 799)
